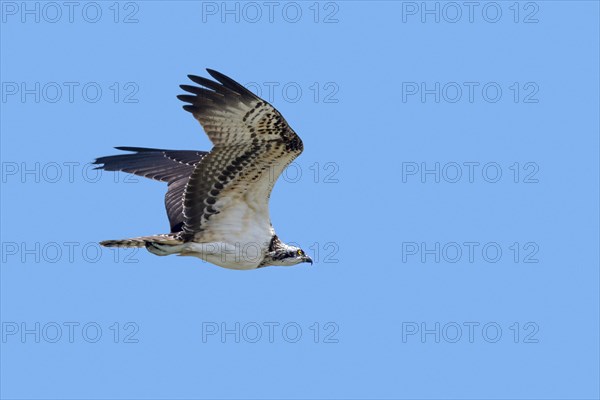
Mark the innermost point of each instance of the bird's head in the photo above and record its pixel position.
(286, 255)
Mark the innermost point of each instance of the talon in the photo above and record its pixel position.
(156, 249)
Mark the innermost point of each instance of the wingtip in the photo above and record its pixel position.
(219, 76)
(194, 78)
(98, 161)
(186, 98)
(230, 83)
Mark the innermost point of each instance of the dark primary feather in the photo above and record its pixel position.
(230, 83)
(171, 166)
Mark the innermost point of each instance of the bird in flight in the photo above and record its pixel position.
(218, 201)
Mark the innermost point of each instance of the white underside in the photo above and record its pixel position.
(227, 255)
(236, 238)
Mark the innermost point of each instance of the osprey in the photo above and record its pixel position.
(218, 201)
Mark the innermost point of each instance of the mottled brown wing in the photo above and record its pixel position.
(252, 146)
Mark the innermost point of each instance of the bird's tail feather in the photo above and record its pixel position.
(167, 239)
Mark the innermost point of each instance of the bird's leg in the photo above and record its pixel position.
(163, 249)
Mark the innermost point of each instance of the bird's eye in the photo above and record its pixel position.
(300, 252)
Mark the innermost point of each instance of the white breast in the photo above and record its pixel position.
(242, 228)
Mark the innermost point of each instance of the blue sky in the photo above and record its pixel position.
(448, 193)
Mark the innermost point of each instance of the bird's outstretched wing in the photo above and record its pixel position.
(171, 166)
(252, 146)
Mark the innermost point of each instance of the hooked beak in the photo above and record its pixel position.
(307, 259)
